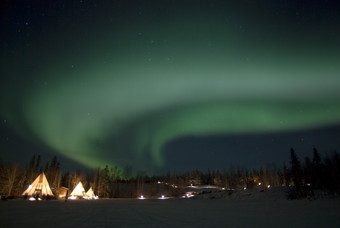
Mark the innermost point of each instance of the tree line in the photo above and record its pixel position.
(315, 174)
(301, 178)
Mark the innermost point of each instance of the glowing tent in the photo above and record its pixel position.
(90, 194)
(63, 191)
(78, 191)
(39, 187)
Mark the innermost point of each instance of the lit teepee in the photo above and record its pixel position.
(90, 194)
(78, 191)
(39, 187)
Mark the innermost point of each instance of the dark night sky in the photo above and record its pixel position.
(169, 85)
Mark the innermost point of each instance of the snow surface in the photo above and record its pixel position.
(249, 208)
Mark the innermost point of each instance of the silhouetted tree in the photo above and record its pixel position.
(195, 177)
(218, 178)
(296, 173)
(140, 178)
(281, 178)
(127, 173)
(53, 175)
(104, 184)
(308, 171)
(317, 170)
(331, 177)
(8, 179)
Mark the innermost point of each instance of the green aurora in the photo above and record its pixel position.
(144, 80)
(80, 112)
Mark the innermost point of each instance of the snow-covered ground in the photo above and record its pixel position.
(248, 208)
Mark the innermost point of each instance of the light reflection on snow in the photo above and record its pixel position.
(162, 197)
(72, 197)
(188, 195)
(141, 197)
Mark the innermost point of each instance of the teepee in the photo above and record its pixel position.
(90, 194)
(78, 190)
(39, 187)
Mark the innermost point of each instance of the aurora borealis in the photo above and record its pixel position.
(121, 82)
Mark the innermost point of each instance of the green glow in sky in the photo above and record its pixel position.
(82, 109)
(145, 79)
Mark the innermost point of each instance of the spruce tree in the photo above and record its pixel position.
(318, 170)
(296, 172)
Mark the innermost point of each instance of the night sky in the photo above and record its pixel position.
(169, 85)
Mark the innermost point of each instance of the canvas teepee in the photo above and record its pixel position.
(78, 190)
(39, 187)
(90, 194)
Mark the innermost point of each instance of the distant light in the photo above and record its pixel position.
(162, 197)
(31, 198)
(223, 188)
(188, 195)
(141, 197)
(244, 188)
(259, 183)
(30, 186)
(308, 184)
(268, 186)
(158, 182)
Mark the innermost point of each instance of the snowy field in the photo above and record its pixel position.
(194, 212)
